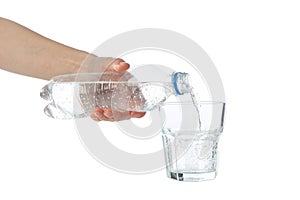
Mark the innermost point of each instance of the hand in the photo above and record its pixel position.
(115, 65)
(110, 115)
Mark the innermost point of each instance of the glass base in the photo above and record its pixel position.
(192, 177)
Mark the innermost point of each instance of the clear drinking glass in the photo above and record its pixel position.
(190, 135)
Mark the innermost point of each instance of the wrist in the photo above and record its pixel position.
(76, 61)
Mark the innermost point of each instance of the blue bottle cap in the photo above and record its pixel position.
(175, 78)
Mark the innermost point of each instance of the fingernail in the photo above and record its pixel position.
(137, 115)
(94, 118)
(99, 110)
(98, 115)
(116, 67)
(108, 114)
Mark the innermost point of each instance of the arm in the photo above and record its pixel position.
(25, 52)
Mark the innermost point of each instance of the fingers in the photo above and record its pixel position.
(119, 65)
(98, 115)
(94, 64)
(137, 114)
(110, 115)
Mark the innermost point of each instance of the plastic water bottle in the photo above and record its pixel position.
(77, 95)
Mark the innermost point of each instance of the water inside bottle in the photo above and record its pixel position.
(76, 97)
(79, 99)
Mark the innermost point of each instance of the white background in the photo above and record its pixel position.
(255, 46)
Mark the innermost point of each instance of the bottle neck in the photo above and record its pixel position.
(181, 83)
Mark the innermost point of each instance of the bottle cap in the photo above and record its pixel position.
(181, 83)
(175, 79)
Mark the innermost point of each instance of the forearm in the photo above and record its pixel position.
(25, 52)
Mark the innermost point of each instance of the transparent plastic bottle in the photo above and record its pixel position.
(77, 95)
